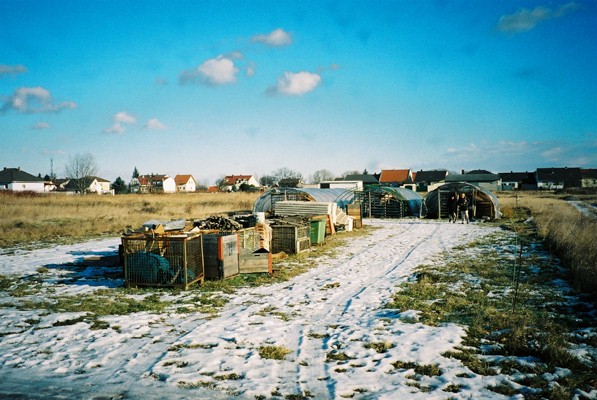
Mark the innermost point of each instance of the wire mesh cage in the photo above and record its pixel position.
(290, 238)
(169, 261)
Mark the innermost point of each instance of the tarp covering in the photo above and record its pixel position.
(484, 202)
(342, 197)
(390, 202)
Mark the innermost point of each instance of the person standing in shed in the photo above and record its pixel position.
(463, 207)
(452, 207)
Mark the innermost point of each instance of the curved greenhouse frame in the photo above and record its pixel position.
(390, 202)
(266, 202)
(376, 202)
(485, 203)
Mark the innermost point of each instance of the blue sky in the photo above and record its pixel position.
(213, 88)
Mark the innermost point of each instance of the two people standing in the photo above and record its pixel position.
(458, 205)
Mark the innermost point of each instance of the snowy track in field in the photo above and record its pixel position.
(324, 318)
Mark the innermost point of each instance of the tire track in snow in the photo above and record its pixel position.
(385, 266)
(319, 312)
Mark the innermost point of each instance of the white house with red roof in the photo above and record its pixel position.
(185, 183)
(155, 184)
(234, 182)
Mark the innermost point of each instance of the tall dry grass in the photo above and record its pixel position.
(568, 234)
(29, 217)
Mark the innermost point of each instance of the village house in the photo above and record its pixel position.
(92, 184)
(479, 177)
(367, 179)
(426, 181)
(234, 182)
(589, 178)
(341, 184)
(185, 183)
(153, 184)
(396, 177)
(558, 178)
(518, 180)
(18, 180)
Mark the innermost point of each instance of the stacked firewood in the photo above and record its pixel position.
(217, 223)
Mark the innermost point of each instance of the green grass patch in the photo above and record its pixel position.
(273, 352)
(380, 347)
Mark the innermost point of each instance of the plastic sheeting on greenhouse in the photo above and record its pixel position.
(484, 203)
(390, 202)
(341, 197)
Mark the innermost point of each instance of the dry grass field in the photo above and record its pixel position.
(26, 218)
(568, 234)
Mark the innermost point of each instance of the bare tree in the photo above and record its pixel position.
(321, 176)
(79, 169)
(283, 173)
(268, 180)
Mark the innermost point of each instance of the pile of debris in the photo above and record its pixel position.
(217, 223)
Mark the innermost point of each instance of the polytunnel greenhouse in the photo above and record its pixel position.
(375, 202)
(266, 202)
(390, 202)
(484, 203)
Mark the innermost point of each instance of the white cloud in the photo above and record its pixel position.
(215, 71)
(277, 38)
(33, 100)
(124, 117)
(12, 69)
(154, 124)
(40, 125)
(116, 128)
(120, 119)
(296, 84)
(525, 20)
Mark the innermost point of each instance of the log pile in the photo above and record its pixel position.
(217, 223)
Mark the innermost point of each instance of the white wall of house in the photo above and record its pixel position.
(169, 185)
(356, 185)
(253, 181)
(550, 185)
(26, 186)
(189, 186)
(99, 187)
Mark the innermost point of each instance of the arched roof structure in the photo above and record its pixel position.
(265, 202)
(484, 202)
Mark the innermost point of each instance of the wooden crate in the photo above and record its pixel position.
(354, 211)
(256, 262)
(163, 260)
(221, 253)
(290, 238)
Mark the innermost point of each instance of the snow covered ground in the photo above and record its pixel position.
(330, 312)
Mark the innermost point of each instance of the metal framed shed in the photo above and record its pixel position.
(390, 202)
(484, 202)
